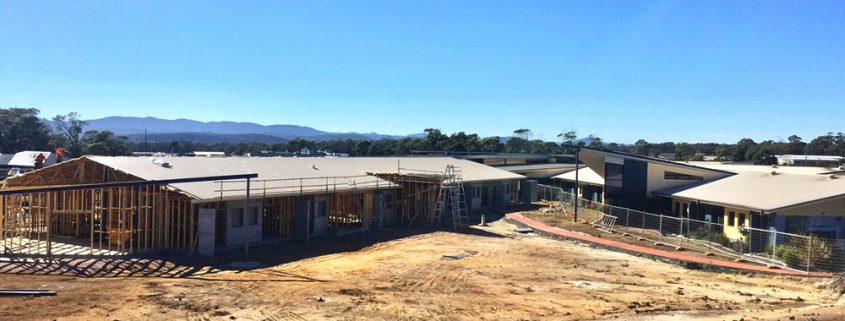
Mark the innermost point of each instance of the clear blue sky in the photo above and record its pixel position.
(661, 70)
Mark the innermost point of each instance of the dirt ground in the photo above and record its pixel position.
(494, 274)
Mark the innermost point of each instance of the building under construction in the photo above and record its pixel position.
(98, 206)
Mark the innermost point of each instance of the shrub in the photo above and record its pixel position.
(708, 234)
(798, 251)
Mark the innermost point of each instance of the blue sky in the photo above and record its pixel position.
(694, 71)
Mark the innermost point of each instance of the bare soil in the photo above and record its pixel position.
(491, 273)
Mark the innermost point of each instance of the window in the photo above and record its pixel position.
(321, 209)
(388, 202)
(731, 217)
(741, 219)
(253, 217)
(613, 177)
(237, 218)
(679, 176)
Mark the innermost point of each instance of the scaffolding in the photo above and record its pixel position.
(431, 197)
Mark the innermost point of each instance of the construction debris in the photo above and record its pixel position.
(459, 255)
(27, 293)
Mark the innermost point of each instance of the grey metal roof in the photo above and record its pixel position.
(762, 191)
(290, 176)
(5, 158)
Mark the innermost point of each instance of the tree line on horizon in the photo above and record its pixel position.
(22, 129)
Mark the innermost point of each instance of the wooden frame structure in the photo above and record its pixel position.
(84, 208)
(417, 198)
(277, 220)
(107, 221)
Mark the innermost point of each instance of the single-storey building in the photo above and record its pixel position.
(810, 160)
(127, 211)
(792, 203)
(786, 199)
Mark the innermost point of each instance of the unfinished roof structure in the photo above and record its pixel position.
(132, 204)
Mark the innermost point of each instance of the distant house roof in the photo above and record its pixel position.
(287, 176)
(5, 158)
(762, 191)
(585, 175)
(744, 167)
(809, 157)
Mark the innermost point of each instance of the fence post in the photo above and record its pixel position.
(774, 246)
(660, 225)
(627, 217)
(681, 227)
(642, 218)
(809, 252)
(750, 239)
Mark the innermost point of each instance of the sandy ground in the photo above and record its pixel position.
(503, 276)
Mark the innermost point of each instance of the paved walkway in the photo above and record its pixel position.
(655, 252)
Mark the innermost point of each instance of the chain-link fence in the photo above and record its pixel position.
(807, 253)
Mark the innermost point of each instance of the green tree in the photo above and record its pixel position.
(69, 130)
(491, 145)
(642, 147)
(683, 152)
(724, 152)
(516, 145)
(104, 143)
(567, 137)
(595, 142)
(21, 129)
(823, 145)
(741, 149)
(436, 140)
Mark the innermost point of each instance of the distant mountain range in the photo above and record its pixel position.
(158, 129)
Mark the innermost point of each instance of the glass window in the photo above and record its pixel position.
(237, 218)
(388, 202)
(731, 217)
(741, 219)
(679, 176)
(253, 217)
(321, 209)
(613, 176)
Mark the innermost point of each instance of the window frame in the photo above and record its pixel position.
(669, 175)
(237, 218)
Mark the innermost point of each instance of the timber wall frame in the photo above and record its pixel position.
(117, 218)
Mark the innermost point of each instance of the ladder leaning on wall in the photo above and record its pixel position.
(451, 201)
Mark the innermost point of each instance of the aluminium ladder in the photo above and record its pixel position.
(451, 201)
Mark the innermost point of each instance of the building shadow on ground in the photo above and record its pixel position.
(179, 265)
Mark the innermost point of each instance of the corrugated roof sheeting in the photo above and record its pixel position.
(291, 176)
(762, 191)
